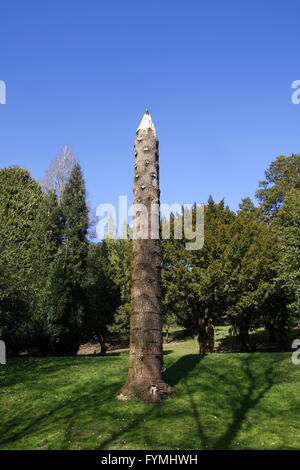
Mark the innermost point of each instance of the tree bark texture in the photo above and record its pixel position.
(146, 351)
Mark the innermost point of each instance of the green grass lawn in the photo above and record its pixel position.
(222, 401)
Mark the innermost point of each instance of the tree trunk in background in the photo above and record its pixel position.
(202, 337)
(210, 336)
(244, 340)
(167, 334)
(206, 337)
(272, 334)
(146, 352)
(101, 340)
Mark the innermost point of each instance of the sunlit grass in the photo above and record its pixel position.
(222, 401)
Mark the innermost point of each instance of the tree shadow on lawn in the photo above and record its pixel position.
(253, 393)
(174, 374)
(179, 372)
(245, 395)
(199, 377)
(59, 416)
(258, 342)
(25, 370)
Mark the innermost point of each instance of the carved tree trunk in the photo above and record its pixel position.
(146, 353)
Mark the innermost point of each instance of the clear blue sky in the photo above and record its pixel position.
(216, 77)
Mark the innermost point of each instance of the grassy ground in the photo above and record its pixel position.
(222, 401)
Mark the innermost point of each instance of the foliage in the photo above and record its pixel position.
(103, 297)
(117, 256)
(20, 197)
(288, 224)
(15, 319)
(63, 305)
(45, 240)
(250, 263)
(193, 279)
(75, 217)
(282, 176)
(65, 300)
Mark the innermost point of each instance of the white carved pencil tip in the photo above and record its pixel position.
(146, 122)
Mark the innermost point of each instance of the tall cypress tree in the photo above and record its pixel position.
(45, 241)
(45, 238)
(75, 215)
(65, 298)
(20, 197)
(64, 306)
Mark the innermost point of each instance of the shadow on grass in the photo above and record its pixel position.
(173, 375)
(27, 370)
(250, 398)
(107, 354)
(59, 416)
(181, 368)
(177, 335)
(179, 372)
(183, 371)
(201, 380)
(258, 342)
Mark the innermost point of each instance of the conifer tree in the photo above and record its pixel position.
(20, 197)
(45, 241)
(193, 280)
(65, 299)
(75, 219)
(63, 304)
(250, 264)
(117, 259)
(287, 223)
(103, 297)
(282, 176)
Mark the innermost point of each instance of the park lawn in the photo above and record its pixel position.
(222, 401)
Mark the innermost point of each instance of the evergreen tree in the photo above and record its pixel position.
(117, 256)
(103, 297)
(45, 241)
(250, 263)
(15, 320)
(75, 217)
(65, 299)
(193, 280)
(282, 176)
(20, 197)
(249, 209)
(63, 305)
(288, 224)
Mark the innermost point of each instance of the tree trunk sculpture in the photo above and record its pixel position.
(146, 352)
